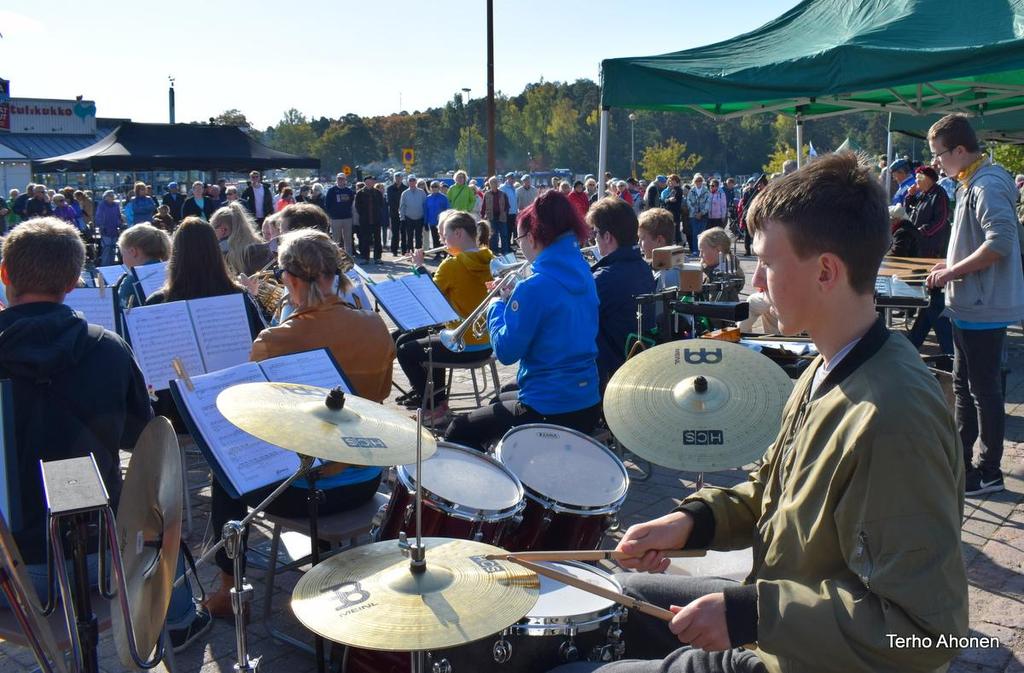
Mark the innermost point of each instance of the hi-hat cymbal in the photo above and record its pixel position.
(697, 405)
(296, 417)
(368, 597)
(148, 534)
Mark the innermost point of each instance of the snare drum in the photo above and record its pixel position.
(466, 495)
(574, 487)
(566, 625)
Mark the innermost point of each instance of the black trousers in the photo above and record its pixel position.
(396, 233)
(412, 234)
(292, 503)
(482, 427)
(977, 384)
(652, 648)
(369, 232)
(413, 358)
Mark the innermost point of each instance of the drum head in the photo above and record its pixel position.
(468, 478)
(564, 465)
(560, 600)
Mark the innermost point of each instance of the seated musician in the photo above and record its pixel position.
(657, 229)
(196, 269)
(76, 391)
(462, 278)
(854, 516)
(140, 245)
(362, 347)
(620, 276)
(548, 323)
(721, 268)
(236, 232)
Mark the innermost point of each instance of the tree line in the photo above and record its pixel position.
(555, 125)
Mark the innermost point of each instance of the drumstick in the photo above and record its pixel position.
(590, 555)
(621, 599)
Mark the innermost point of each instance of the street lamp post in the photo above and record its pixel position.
(469, 134)
(632, 144)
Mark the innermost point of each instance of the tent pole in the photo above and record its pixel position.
(799, 141)
(602, 153)
(888, 156)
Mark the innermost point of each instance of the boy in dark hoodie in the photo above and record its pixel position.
(77, 389)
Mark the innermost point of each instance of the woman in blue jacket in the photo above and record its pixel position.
(549, 325)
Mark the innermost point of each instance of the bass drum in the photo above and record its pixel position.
(566, 625)
(467, 495)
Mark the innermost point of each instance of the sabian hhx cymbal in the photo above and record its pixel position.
(697, 405)
(297, 418)
(369, 597)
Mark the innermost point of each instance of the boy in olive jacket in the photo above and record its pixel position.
(854, 516)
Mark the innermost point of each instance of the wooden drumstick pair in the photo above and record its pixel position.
(529, 561)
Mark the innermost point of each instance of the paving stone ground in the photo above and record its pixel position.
(993, 546)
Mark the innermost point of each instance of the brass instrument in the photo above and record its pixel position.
(509, 274)
(432, 251)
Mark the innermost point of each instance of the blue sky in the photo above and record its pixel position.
(327, 58)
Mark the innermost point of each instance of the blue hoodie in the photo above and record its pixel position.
(549, 325)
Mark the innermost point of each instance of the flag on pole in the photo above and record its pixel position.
(811, 152)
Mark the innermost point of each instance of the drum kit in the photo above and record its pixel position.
(463, 574)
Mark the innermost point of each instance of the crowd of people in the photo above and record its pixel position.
(855, 511)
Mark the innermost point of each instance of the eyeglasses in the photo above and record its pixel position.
(936, 156)
(522, 236)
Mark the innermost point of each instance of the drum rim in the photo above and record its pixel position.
(551, 502)
(581, 623)
(459, 510)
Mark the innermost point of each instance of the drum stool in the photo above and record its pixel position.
(478, 392)
(342, 530)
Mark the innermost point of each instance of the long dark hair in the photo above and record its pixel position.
(196, 267)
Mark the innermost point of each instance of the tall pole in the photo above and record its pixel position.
(170, 99)
(888, 156)
(602, 152)
(490, 88)
(469, 132)
(799, 140)
(632, 145)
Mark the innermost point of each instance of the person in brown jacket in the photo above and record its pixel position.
(360, 343)
(162, 219)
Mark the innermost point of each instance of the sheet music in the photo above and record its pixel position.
(400, 303)
(311, 368)
(160, 333)
(249, 463)
(430, 296)
(222, 330)
(111, 274)
(358, 290)
(86, 279)
(97, 304)
(151, 276)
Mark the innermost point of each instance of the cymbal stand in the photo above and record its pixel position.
(233, 542)
(416, 550)
(313, 499)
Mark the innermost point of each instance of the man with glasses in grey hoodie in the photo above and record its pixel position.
(984, 288)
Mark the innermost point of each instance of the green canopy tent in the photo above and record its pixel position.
(1001, 127)
(830, 57)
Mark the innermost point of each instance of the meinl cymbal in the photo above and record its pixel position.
(297, 418)
(148, 526)
(369, 597)
(697, 405)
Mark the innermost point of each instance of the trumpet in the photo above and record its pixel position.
(455, 339)
(432, 251)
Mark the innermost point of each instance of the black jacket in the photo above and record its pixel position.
(394, 198)
(620, 276)
(905, 240)
(77, 390)
(190, 207)
(370, 207)
(249, 199)
(174, 202)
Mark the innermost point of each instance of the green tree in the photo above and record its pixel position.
(293, 134)
(781, 155)
(233, 117)
(345, 143)
(668, 157)
(471, 152)
(1010, 157)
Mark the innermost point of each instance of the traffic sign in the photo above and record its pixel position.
(408, 156)
(346, 169)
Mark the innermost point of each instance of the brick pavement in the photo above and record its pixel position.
(993, 543)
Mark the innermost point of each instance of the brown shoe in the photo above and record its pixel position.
(218, 603)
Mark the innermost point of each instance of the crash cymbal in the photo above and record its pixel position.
(148, 534)
(697, 405)
(368, 597)
(296, 417)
